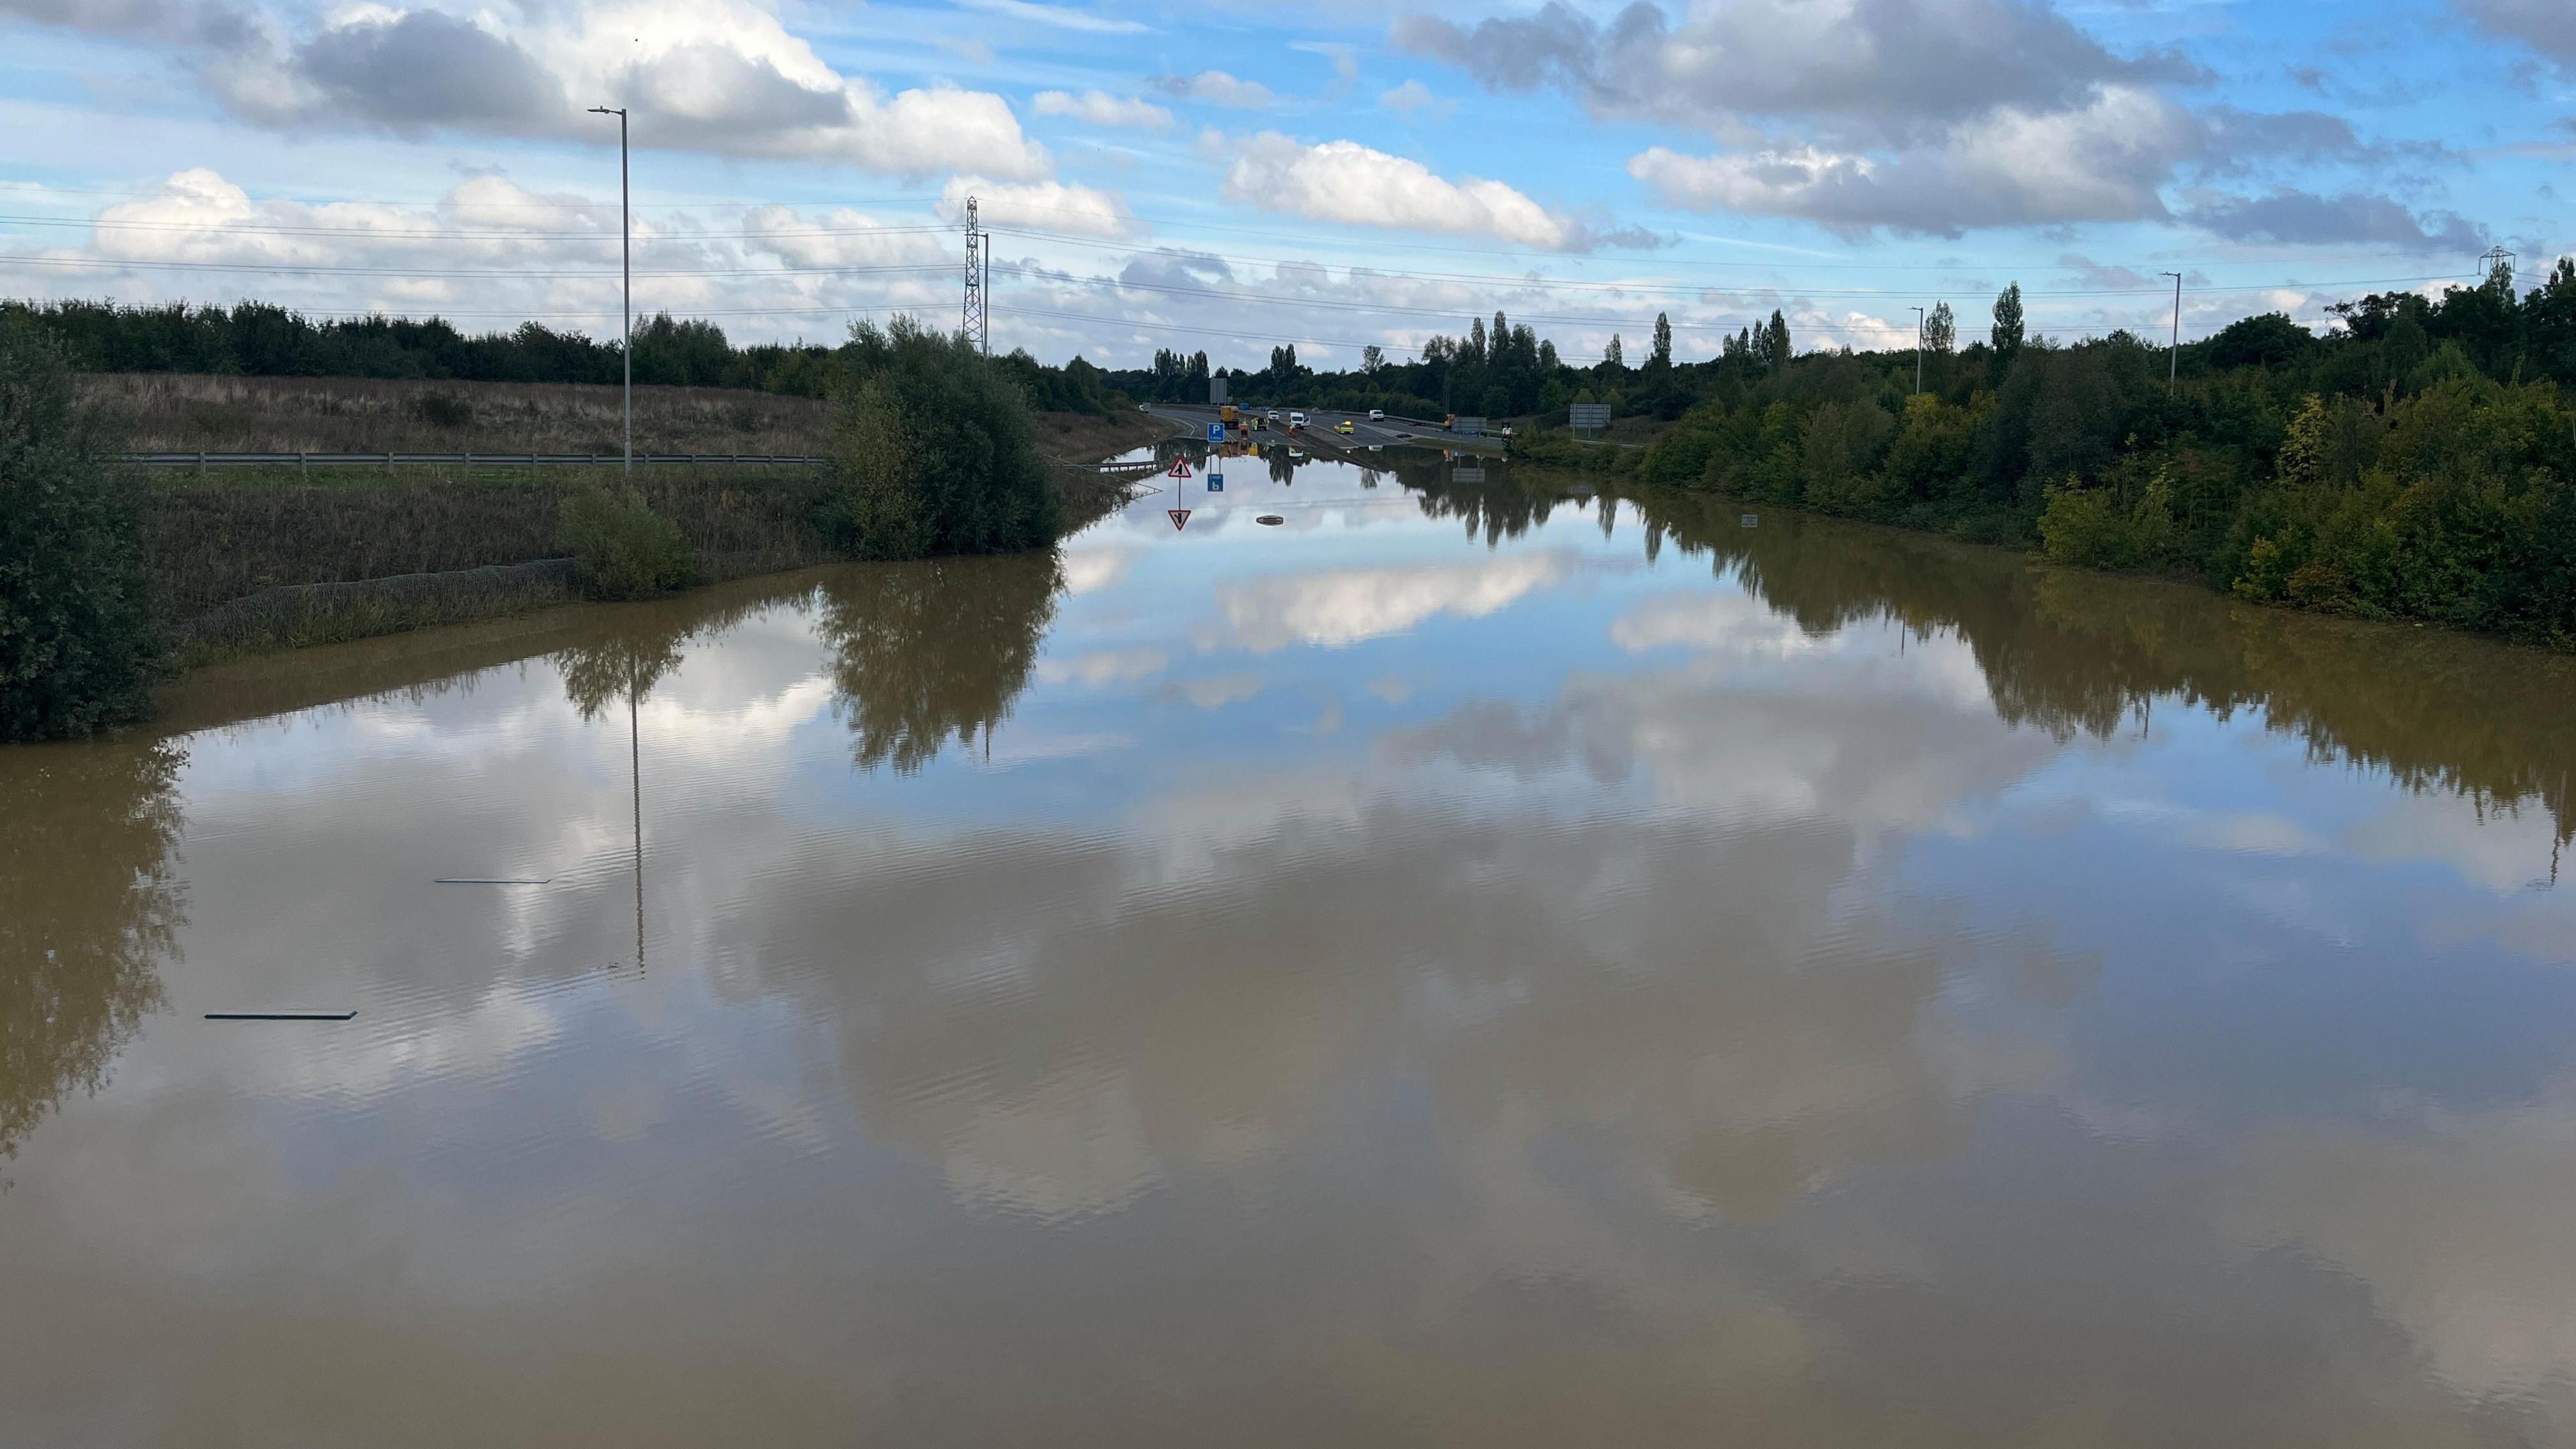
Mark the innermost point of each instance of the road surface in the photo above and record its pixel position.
(1319, 430)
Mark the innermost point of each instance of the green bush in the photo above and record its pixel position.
(879, 509)
(621, 548)
(2093, 528)
(79, 648)
(933, 451)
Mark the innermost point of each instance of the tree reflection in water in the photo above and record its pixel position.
(925, 653)
(2083, 653)
(88, 911)
(1507, 504)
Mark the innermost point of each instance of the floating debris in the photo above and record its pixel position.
(280, 1015)
(1270, 518)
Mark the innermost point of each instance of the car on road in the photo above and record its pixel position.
(1377, 415)
(1343, 426)
(1296, 420)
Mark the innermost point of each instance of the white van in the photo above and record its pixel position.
(1377, 415)
(1296, 420)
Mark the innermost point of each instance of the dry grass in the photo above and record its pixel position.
(237, 535)
(310, 614)
(185, 412)
(1086, 438)
(258, 558)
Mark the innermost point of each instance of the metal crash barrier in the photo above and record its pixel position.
(203, 461)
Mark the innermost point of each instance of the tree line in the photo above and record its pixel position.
(2418, 463)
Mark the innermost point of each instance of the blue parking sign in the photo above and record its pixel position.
(1216, 432)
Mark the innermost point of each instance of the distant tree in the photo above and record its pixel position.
(1940, 328)
(1662, 356)
(2007, 333)
(2549, 318)
(1773, 344)
(2270, 340)
(1610, 355)
(1372, 357)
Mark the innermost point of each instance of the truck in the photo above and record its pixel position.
(1227, 415)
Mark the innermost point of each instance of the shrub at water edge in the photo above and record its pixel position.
(78, 647)
(621, 548)
(933, 452)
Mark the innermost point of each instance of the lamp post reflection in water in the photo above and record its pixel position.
(635, 763)
(593, 675)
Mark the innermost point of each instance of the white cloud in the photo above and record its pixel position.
(1413, 98)
(1218, 88)
(1103, 667)
(1859, 72)
(490, 252)
(1344, 181)
(1341, 607)
(1099, 108)
(1721, 622)
(1345, 58)
(1041, 206)
(722, 76)
(1215, 691)
(2104, 162)
(1059, 17)
(840, 237)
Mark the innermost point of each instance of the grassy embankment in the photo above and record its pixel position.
(250, 560)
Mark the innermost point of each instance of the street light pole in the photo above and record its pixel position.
(626, 270)
(2173, 358)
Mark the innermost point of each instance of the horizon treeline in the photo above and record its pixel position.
(1499, 370)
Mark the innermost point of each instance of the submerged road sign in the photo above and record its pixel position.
(1181, 468)
(1216, 482)
(1180, 518)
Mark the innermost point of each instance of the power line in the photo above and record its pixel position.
(1306, 237)
(1135, 249)
(1407, 309)
(384, 234)
(1686, 291)
(304, 269)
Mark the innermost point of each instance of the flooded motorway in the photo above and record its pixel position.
(1465, 964)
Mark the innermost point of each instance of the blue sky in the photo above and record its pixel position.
(1233, 176)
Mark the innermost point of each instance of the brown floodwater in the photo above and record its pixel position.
(1469, 964)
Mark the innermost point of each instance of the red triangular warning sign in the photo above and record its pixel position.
(1181, 469)
(1180, 518)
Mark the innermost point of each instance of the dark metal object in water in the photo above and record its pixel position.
(280, 1015)
(1270, 518)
